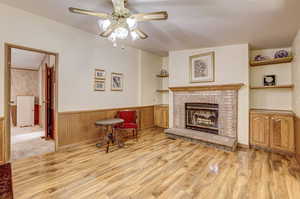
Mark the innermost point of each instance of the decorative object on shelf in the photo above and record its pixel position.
(99, 85)
(260, 58)
(121, 22)
(202, 67)
(116, 81)
(281, 54)
(163, 72)
(100, 74)
(269, 80)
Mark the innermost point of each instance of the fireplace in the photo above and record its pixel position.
(202, 117)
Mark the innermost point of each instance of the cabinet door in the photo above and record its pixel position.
(260, 130)
(165, 118)
(282, 133)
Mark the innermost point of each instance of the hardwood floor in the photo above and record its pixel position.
(156, 167)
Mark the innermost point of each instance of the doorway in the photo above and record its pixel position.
(31, 98)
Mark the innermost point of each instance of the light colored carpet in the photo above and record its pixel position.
(27, 142)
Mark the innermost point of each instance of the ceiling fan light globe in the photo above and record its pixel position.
(121, 33)
(134, 36)
(112, 37)
(104, 24)
(131, 22)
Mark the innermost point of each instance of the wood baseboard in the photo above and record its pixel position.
(243, 146)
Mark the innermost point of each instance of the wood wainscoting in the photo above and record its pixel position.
(79, 126)
(2, 148)
(297, 138)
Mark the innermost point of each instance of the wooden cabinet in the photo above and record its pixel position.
(260, 130)
(282, 133)
(272, 130)
(161, 116)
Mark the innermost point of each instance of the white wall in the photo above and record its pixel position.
(296, 75)
(231, 66)
(264, 99)
(79, 54)
(150, 67)
(165, 81)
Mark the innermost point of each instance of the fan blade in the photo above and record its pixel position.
(141, 34)
(89, 12)
(108, 32)
(163, 15)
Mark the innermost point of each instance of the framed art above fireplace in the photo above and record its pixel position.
(202, 67)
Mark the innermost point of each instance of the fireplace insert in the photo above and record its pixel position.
(202, 117)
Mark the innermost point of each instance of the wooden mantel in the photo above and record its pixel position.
(208, 87)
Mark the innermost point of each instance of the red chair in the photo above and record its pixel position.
(130, 121)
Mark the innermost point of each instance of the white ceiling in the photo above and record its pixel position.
(191, 23)
(26, 59)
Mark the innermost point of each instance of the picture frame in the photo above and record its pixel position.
(269, 80)
(100, 74)
(202, 68)
(117, 81)
(99, 85)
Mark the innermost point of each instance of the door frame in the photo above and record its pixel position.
(7, 90)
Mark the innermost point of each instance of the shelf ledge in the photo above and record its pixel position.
(290, 86)
(271, 61)
(162, 76)
(162, 91)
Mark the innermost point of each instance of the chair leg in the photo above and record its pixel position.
(136, 134)
(132, 132)
(107, 147)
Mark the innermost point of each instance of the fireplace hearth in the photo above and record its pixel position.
(202, 117)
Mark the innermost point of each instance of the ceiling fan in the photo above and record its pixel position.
(121, 21)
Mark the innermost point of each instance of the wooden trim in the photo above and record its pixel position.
(243, 146)
(105, 109)
(271, 87)
(28, 69)
(271, 61)
(208, 87)
(10, 45)
(272, 112)
(5, 146)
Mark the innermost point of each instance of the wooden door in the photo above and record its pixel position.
(260, 130)
(282, 133)
(49, 102)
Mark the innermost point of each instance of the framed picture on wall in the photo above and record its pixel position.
(99, 85)
(117, 81)
(100, 74)
(202, 67)
(269, 80)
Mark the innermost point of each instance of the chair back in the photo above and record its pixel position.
(127, 116)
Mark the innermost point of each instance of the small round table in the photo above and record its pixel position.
(109, 131)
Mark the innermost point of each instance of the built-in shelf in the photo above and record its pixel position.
(271, 61)
(162, 91)
(290, 86)
(162, 76)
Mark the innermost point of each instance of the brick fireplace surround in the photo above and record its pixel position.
(226, 96)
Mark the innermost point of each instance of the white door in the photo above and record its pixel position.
(25, 111)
